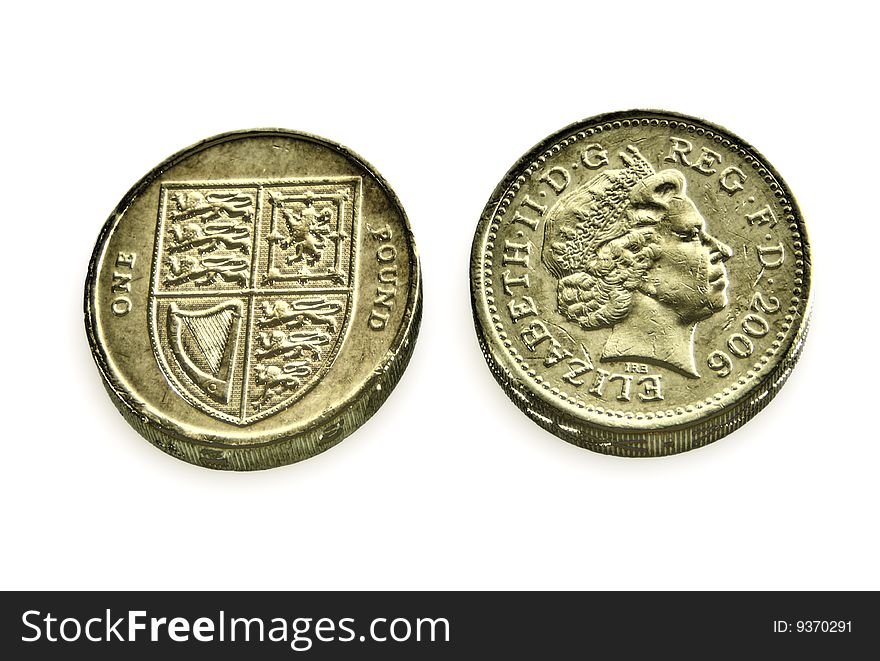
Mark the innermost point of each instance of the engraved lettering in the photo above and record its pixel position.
(578, 368)
(215, 458)
(534, 334)
(637, 368)
(769, 305)
(516, 253)
(707, 159)
(705, 163)
(755, 325)
(388, 275)
(120, 283)
(557, 178)
(332, 432)
(378, 320)
(720, 363)
(732, 180)
(531, 223)
(594, 156)
(679, 151)
(384, 297)
(625, 388)
(740, 346)
(556, 354)
(534, 206)
(386, 253)
(386, 289)
(507, 281)
(652, 388)
(776, 256)
(650, 385)
(126, 259)
(380, 233)
(599, 384)
(519, 311)
(121, 306)
(762, 217)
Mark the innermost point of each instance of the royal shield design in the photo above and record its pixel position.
(251, 291)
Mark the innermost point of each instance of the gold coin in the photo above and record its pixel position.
(640, 283)
(253, 299)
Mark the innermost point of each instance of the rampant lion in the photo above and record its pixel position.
(307, 234)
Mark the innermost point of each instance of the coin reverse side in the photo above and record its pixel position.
(641, 283)
(254, 299)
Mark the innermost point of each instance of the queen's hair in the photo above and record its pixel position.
(600, 239)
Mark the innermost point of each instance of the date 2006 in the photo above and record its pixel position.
(812, 626)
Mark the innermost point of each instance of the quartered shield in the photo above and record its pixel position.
(251, 291)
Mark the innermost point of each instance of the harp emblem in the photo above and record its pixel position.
(204, 344)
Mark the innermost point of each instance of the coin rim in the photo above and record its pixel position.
(283, 448)
(619, 439)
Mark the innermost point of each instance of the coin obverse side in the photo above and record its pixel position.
(254, 299)
(640, 283)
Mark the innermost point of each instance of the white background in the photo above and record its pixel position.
(449, 485)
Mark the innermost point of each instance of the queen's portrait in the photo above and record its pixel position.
(631, 252)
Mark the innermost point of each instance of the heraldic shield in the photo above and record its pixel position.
(251, 291)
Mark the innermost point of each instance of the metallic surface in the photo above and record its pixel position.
(640, 283)
(254, 299)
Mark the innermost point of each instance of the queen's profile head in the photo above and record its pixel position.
(631, 252)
